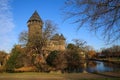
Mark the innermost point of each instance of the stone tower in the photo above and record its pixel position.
(35, 25)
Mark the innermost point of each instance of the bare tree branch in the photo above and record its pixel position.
(102, 16)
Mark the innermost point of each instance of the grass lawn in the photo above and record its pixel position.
(58, 76)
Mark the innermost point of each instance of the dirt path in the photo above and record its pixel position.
(53, 76)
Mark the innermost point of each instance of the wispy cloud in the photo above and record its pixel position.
(6, 25)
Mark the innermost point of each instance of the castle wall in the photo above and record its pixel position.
(57, 45)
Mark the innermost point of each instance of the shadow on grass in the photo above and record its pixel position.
(107, 75)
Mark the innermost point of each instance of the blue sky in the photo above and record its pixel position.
(14, 15)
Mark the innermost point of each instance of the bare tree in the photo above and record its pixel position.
(79, 43)
(23, 38)
(49, 30)
(101, 16)
(37, 41)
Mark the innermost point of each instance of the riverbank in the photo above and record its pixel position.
(111, 60)
(59, 76)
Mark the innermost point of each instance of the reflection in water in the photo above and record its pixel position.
(113, 67)
(95, 66)
(98, 68)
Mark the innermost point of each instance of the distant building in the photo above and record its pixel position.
(35, 25)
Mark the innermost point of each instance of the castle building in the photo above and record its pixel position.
(35, 26)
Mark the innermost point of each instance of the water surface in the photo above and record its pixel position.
(97, 66)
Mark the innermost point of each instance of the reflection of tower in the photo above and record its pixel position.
(35, 27)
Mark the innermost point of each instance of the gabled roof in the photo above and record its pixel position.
(55, 37)
(35, 17)
(58, 37)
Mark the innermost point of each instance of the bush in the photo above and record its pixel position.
(51, 57)
(11, 63)
(73, 60)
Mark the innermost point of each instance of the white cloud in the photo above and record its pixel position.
(6, 25)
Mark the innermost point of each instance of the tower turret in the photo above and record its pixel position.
(35, 24)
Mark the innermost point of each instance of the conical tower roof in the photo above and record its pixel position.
(35, 17)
